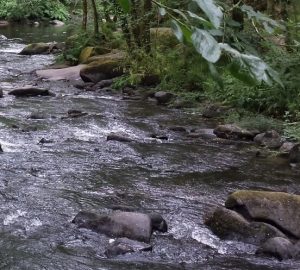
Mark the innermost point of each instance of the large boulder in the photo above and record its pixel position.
(231, 131)
(135, 226)
(38, 48)
(276, 208)
(69, 73)
(89, 52)
(103, 67)
(228, 224)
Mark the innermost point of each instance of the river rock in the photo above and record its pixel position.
(231, 131)
(158, 222)
(230, 225)
(294, 155)
(270, 139)
(212, 111)
(135, 226)
(277, 208)
(124, 245)
(163, 97)
(69, 73)
(279, 247)
(178, 129)
(120, 137)
(38, 48)
(1, 150)
(57, 23)
(30, 91)
(4, 23)
(1, 93)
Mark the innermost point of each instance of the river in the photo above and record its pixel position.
(43, 186)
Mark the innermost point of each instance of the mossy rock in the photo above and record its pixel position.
(88, 52)
(101, 70)
(113, 55)
(230, 225)
(164, 37)
(36, 48)
(277, 208)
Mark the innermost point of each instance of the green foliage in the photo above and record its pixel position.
(259, 122)
(33, 9)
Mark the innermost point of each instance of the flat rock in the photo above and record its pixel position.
(69, 73)
(30, 91)
(277, 208)
(120, 137)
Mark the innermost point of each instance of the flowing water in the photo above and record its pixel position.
(43, 186)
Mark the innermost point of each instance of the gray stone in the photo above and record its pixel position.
(120, 137)
(278, 247)
(270, 139)
(136, 226)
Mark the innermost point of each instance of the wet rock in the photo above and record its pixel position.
(38, 48)
(120, 137)
(83, 85)
(135, 226)
(277, 208)
(45, 141)
(213, 111)
(122, 246)
(1, 93)
(75, 114)
(57, 23)
(270, 139)
(69, 73)
(230, 225)
(286, 148)
(278, 247)
(1, 150)
(163, 97)
(230, 131)
(294, 155)
(178, 129)
(107, 66)
(103, 83)
(37, 116)
(158, 222)
(30, 91)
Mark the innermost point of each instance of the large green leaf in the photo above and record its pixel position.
(206, 45)
(213, 12)
(125, 5)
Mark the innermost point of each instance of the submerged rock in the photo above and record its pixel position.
(136, 226)
(1, 93)
(230, 131)
(30, 91)
(270, 139)
(124, 245)
(278, 247)
(276, 208)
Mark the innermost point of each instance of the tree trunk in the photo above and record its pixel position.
(146, 25)
(96, 18)
(84, 14)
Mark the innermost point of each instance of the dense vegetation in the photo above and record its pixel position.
(240, 53)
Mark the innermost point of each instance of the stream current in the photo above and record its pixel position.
(43, 186)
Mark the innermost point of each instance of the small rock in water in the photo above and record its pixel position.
(43, 141)
(163, 97)
(118, 137)
(122, 246)
(1, 150)
(75, 114)
(159, 136)
(37, 116)
(178, 129)
(30, 91)
(270, 139)
(1, 93)
(230, 131)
